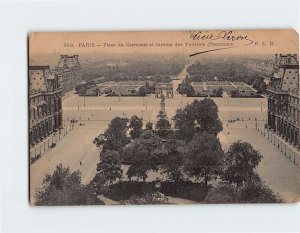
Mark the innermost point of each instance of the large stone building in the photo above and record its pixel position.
(45, 103)
(283, 98)
(68, 71)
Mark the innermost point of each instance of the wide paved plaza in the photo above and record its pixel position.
(77, 150)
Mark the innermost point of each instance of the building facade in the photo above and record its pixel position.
(45, 103)
(283, 99)
(68, 71)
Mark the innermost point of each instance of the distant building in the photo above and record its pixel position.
(45, 103)
(234, 89)
(68, 71)
(245, 90)
(283, 98)
(122, 90)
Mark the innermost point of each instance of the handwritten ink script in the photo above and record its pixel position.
(225, 36)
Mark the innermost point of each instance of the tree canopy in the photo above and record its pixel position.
(162, 125)
(64, 187)
(109, 166)
(204, 157)
(115, 135)
(140, 155)
(241, 161)
(201, 113)
(136, 125)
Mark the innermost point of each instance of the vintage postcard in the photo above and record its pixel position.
(163, 117)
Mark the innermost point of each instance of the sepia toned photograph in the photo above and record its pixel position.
(163, 117)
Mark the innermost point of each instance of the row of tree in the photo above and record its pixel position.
(227, 70)
(134, 68)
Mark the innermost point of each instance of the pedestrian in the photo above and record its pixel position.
(80, 163)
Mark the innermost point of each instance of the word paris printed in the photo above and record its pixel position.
(169, 117)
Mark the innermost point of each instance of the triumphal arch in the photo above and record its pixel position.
(165, 89)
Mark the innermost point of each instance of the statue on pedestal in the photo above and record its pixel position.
(162, 103)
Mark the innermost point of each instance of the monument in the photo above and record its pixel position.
(163, 103)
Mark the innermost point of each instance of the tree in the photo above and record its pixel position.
(241, 161)
(206, 115)
(140, 155)
(184, 123)
(109, 166)
(143, 91)
(136, 125)
(223, 193)
(186, 88)
(234, 92)
(204, 157)
(257, 192)
(172, 163)
(64, 187)
(203, 114)
(263, 87)
(115, 135)
(149, 126)
(218, 92)
(162, 125)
